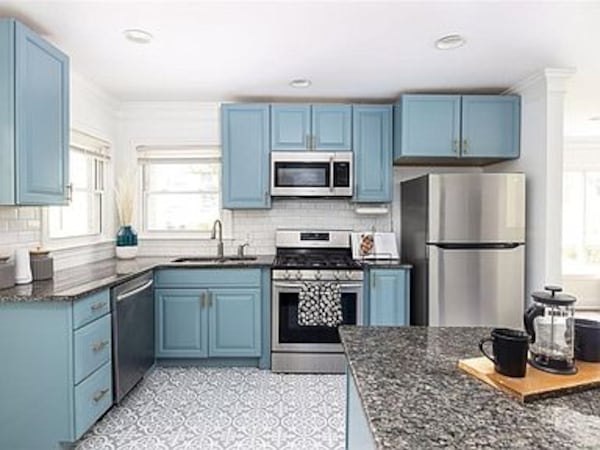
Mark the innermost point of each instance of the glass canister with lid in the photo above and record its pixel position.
(550, 323)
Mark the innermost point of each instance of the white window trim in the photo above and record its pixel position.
(162, 148)
(99, 147)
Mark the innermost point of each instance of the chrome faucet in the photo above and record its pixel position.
(219, 237)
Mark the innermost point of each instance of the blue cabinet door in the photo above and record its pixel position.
(235, 322)
(332, 127)
(490, 126)
(181, 323)
(245, 139)
(427, 125)
(42, 120)
(34, 118)
(389, 297)
(372, 136)
(290, 127)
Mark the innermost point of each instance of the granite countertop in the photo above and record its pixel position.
(74, 283)
(415, 396)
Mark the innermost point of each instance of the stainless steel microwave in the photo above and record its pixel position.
(311, 174)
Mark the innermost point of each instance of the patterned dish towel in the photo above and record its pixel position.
(320, 305)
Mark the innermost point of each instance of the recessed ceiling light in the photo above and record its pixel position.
(138, 36)
(450, 41)
(595, 118)
(300, 83)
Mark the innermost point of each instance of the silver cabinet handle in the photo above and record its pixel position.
(97, 306)
(134, 291)
(456, 146)
(100, 345)
(70, 192)
(465, 146)
(314, 141)
(202, 299)
(98, 396)
(308, 141)
(210, 299)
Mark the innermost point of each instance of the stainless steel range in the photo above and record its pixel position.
(317, 286)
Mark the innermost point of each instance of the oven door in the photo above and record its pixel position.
(311, 174)
(289, 336)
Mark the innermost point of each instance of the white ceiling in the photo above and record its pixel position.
(221, 50)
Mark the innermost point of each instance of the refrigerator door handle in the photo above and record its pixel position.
(477, 246)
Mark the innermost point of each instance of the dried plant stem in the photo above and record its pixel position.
(125, 197)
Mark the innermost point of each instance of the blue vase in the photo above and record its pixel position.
(126, 236)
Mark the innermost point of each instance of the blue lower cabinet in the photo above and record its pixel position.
(389, 297)
(209, 322)
(234, 324)
(358, 433)
(56, 374)
(181, 323)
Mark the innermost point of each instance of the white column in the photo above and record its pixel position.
(542, 105)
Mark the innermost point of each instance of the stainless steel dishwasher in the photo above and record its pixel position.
(132, 333)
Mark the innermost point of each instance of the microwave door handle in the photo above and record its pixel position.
(331, 174)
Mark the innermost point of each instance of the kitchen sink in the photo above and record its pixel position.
(209, 259)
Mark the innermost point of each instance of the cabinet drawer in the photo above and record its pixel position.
(93, 397)
(181, 278)
(90, 308)
(92, 347)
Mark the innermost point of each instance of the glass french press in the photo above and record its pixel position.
(550, 323)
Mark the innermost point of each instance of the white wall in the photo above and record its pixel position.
(542, 105)
(92, 112)
(172, 123)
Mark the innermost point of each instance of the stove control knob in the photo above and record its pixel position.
(348, 275)
(287, 275)
(318, 275)
(336, 275)
(298, 275)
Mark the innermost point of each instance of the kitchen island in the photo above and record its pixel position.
(412, 395)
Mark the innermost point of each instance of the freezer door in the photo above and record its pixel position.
(474, 287)
(476, 207)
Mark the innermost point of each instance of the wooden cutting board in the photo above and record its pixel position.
(536, 383)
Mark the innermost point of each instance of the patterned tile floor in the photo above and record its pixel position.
(225, 408)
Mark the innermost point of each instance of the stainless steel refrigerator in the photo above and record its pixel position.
(465, 236)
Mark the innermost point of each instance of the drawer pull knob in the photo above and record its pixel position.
(97, 306)
(100, 394)
(100, 345)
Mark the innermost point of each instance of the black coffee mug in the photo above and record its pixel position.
(510, 351)
(587, 340)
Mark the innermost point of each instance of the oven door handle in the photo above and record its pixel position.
(298, 285)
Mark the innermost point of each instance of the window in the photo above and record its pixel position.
(180, 190)
(581, 222)
(84, 214)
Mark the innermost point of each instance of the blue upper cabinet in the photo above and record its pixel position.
(245, 142)
(389, 297)
(34, 118)
(490, 126)
(300, 127)
(290, 127)
(332, 127)
(427, 126)
(372, 136)
(456, 129)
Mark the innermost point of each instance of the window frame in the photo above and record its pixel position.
(580, 157)
(98, 149)
(177, 153)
